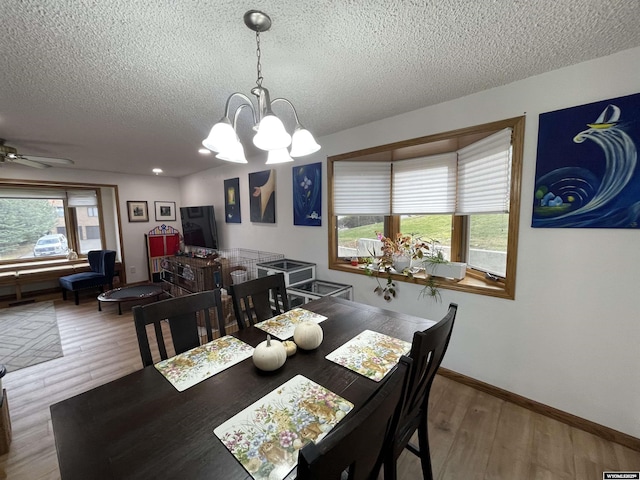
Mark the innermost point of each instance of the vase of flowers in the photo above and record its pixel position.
(401, 262)
(407, 253)
(397, 257)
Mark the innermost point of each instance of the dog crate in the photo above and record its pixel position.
(305, 292)
(236, 260)
(295, 272)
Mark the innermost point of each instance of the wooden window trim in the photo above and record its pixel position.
(474, 282)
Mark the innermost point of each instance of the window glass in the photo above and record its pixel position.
(30, 228)
(357, 234)
(487, 245)
(428, 228)
(39, 223)
(88, 229)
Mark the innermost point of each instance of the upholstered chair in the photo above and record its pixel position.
(102, 263)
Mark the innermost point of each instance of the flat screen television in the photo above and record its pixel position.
(199, 227)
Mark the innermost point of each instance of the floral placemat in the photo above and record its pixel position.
(283, 325)
(191, 367)
(266, 436)
(371, 354)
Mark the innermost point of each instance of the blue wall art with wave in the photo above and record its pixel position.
(586, 170)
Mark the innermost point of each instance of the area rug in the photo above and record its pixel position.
(28, 335)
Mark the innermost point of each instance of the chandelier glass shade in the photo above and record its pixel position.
(271, 134)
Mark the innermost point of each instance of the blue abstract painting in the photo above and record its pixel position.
(586, 168)
(232, 200)
(307, 195)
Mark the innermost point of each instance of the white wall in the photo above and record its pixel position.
(130, 187)
(570, 338)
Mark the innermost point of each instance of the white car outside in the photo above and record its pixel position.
(55, 244)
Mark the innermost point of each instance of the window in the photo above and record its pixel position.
(460, 188)
(92, 211)
(45, 222)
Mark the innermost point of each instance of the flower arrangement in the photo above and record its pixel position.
(397, 255)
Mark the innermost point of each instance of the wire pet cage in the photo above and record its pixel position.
(240, 263)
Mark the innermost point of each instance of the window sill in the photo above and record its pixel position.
(472, 283)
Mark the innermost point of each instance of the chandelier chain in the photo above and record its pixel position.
(259, 66)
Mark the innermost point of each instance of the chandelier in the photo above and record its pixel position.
(271, 135)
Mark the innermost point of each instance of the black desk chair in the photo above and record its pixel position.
(102, 263)
(186, 315)
(427, 350)
(259, 299)
(354, 449)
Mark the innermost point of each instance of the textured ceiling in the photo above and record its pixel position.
(127, 85)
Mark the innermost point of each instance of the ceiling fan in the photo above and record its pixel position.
(10, 155)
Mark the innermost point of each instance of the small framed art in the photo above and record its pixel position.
(165, 211)
(138, 211)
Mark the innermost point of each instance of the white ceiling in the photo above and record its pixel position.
(127, 85)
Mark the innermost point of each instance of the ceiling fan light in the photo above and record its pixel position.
(221, 137)
(278, 156)
(271, 134)
(235, 154)
(303, 143)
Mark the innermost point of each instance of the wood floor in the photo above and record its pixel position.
(473, 435)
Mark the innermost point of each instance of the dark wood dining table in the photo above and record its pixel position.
(141, 427)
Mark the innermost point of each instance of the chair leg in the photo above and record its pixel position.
(390, 468)
(425, 454)
(77, 297)
(64, 293)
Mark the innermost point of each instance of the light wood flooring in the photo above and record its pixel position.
(473, 435)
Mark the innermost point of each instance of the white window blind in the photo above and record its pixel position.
(39, 193)
(361, 188)
(425, 185)
(82, 198)
(484, 175)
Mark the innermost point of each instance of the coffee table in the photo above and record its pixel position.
(129, 294)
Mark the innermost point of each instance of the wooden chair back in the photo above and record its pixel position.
(186, 316)
(259, 299)
(427, 351)
(354, 448)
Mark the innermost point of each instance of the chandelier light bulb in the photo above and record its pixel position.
(278, 156)
(271, 134)
(303, 143)
(221, 137)
(234, 153)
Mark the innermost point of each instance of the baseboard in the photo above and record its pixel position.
(564, 417)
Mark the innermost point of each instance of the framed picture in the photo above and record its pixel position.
(307, 195)
(232, 200)
(165, 211)
(138, 211)
(586, 174)
(262, 196)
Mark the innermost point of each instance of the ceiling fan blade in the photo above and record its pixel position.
(56, 161)
(29, 163)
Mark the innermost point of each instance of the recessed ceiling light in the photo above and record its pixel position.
(204, 151)
(157, 171)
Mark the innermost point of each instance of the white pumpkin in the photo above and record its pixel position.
(308, 335)
(269, 355)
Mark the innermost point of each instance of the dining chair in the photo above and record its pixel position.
(185, 315)
(353, 450)
(259, 299)
(427, 350)
(102, 264)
